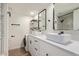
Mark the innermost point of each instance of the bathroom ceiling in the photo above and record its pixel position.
(26, 8)
(62, 8)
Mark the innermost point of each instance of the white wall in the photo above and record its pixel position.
(18, 31)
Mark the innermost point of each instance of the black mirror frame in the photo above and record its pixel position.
(53, 17)
(45, 18)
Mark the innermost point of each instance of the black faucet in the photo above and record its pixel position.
(62, 32)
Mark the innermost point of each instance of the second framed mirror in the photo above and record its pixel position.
(42, 20)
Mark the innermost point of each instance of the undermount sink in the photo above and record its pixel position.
(62, 39)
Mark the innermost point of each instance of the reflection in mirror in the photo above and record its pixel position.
(66, 16)
(65, 22)
(42, 20)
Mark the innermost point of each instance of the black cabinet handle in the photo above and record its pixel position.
(46, 54)
(30, 42)
(36, 49)
(12, 36)
(36, 41)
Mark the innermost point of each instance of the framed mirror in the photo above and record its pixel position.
(42, 20)
(66, 16)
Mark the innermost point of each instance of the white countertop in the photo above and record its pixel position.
(72, 47)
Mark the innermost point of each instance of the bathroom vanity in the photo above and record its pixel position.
(51, 44)
(40, 46)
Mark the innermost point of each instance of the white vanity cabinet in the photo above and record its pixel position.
(47, 49)
(39, 47)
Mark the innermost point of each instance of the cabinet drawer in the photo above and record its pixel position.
(35, 42)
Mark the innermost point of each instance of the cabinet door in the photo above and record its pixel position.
(31, 47)
(47, 49)
(36, 46)
(42, 49)
(52, 50)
